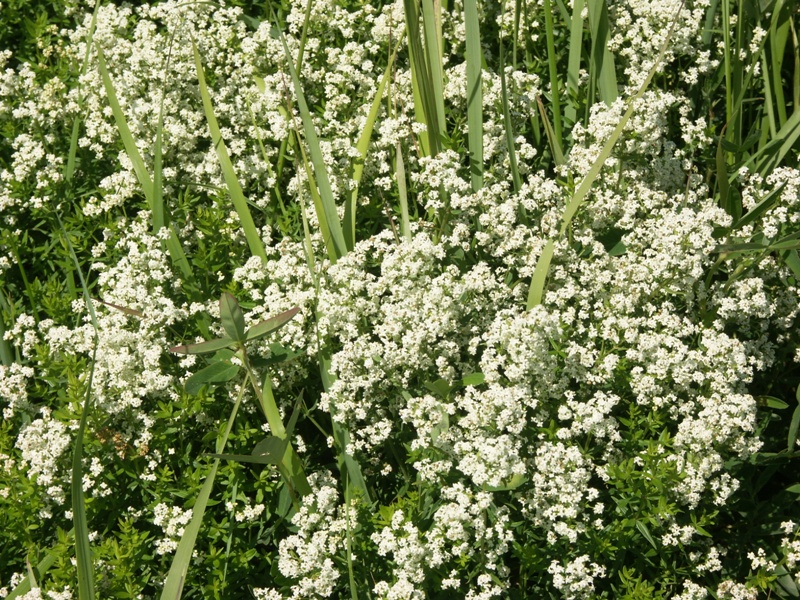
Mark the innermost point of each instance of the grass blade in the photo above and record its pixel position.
(431, 24)
(173, 587)
(574, 64)
(329, 214)
(152, 192)
(474, 94)
(402, 193)
(83, 551)
(422, 82)
(251, 234)
(602, 70)
(125, 133)
(555, 92)
(543, 264)
(363, 146)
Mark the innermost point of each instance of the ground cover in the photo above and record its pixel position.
(336, 298)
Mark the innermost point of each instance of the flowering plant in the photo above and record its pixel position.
(507, 300)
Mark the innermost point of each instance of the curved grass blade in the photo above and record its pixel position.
(349, 225)
(153, 197)
(602, 70)
(574, 62)
(402, 193)
(173, 586)
(203, 347)
(555, 89)
(251, 234)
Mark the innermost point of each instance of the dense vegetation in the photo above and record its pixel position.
(339, 298)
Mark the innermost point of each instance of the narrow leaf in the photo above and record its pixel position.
(203, 347)
(251, 234)
(173, 587)
(329, 213)
(272, 324)
(474, 94)
(540, 275)
(400, 175)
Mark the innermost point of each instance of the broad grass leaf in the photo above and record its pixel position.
(269, 451)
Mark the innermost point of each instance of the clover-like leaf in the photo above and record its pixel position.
(266, 326)
(232, 317)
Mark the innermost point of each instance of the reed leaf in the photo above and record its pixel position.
(362, 146)
(601, 66)
(536, 291)
(329, 215)
(574, 63)
(555, 94)
(251, 234)
(474, 59)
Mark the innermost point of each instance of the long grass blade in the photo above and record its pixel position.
(574, 64)
(431, 24)
(555, 88)
(132, 151)
(422, 83)
(536, 290)
(24, 586)
(83, 551)
(602, 69)
(329, 213)
(474, 94)
(402, 193)
(173, 586)
(251, 234)
(363, 146)
(154, 198)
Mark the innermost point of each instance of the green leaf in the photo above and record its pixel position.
(791, 440)
(329, 214)
(217, 372)
(440, 387)
(473, 379)
(539, 277)
(760, 208)
(474, 58)
(646, 533)
(772, 402)
(269, 451)
(251, 234)
(232, 317)
(173, 587)
(83, 550)
(270, 325)
(203, 347)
